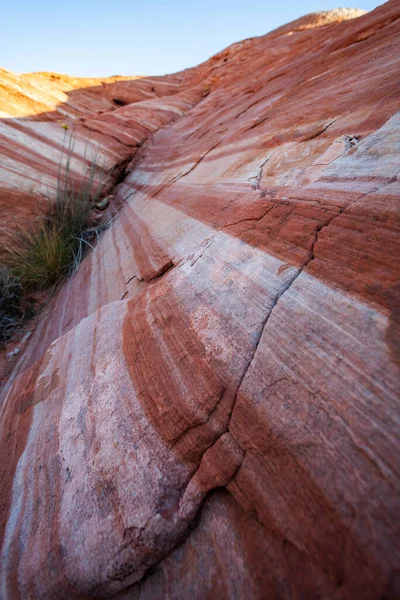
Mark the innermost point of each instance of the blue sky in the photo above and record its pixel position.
(122, 37)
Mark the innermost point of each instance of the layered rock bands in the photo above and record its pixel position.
(209, 407)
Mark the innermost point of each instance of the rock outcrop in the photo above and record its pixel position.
(209, 408)
(37, 109)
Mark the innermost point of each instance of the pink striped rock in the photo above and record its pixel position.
(209, 407)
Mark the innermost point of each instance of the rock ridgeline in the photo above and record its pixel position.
(209, 408)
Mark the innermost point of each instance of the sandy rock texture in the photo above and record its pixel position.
(209, 408)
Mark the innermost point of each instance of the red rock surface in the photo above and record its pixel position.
(209, 407)
(33, 142)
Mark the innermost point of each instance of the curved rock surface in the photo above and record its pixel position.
(106, 122)
(209, 408)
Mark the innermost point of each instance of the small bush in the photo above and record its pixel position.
(57, 243)
(11, 304)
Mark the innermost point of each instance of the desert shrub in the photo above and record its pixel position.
(11, 304)
(55, 245)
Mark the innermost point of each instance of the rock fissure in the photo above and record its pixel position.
(285, 288)
(259, 336)
(319, 132)
(193, 427)
(202, 157)
(193, 258)
(166, 267)
(258, 177)
(257, 219)
(130, 279)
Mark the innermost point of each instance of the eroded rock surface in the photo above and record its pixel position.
(209, 407)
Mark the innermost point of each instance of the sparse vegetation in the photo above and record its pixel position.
(11, 304)
(54, 246)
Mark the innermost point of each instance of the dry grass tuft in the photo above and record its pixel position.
(55, 246)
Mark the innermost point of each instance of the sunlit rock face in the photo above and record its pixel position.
(209, 407)
(47, 119)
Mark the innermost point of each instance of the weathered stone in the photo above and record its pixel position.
(209, 407)
(103, 204)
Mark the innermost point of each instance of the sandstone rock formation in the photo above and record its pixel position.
(33, 110)
(209, 407)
